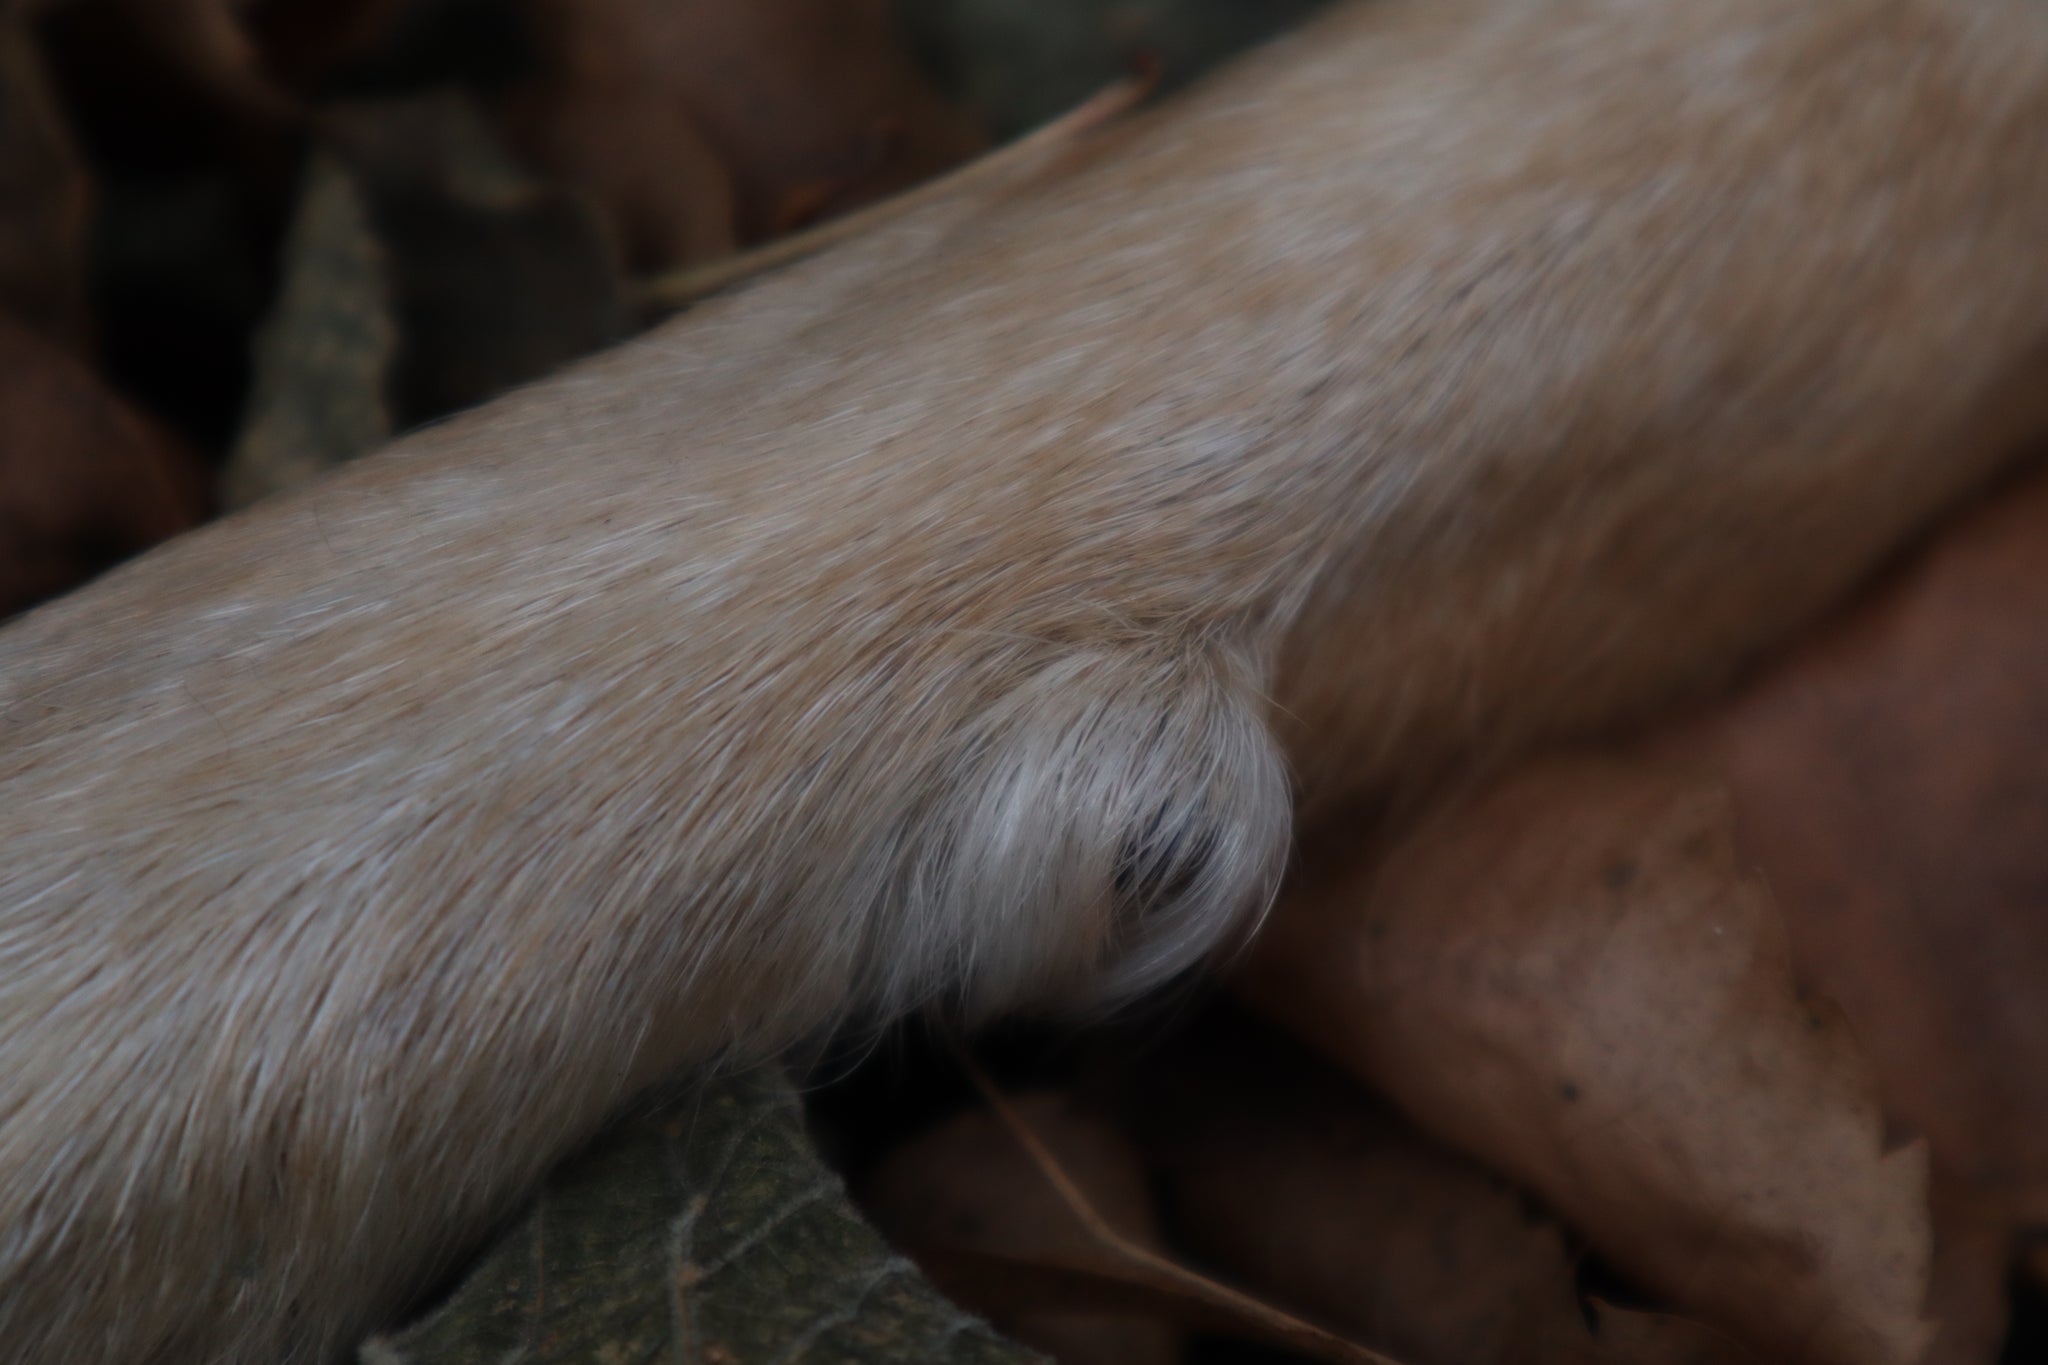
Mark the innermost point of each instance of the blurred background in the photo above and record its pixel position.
(241, 240)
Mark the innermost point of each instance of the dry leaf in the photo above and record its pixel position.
(706, 1233)
(1891, 780)
(1629, 1337)
(85, 480)
(495, 278)
(1308, 1190)
(323, 356)
(1291, 1177)
(640, 155)
(1970, 1298)
(304, 40)
(1095, 1267)
(45, 198)
(189, 61)
(1570, 978)
(699, 125)
(194, 157)
(968, 1186)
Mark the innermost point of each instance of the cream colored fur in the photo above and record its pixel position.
(953, 619)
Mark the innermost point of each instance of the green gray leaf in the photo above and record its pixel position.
(707, 1234)
(323, 355)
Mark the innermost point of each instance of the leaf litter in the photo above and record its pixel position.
(1571, 977)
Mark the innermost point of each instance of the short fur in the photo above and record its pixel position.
(951, 619)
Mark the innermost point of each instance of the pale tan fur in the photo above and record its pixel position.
(954, 618)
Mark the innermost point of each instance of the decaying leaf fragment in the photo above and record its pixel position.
(1570, 977)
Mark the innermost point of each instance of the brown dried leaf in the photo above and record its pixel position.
(1096, 1267)
(1569, 977)
(495, 278)
(1310, 1191)
(641, 156)
(191, 56)
(1629, 1337)
(968, 1186)
(45, 198)
(303, 40)
(699, 125)
(1970, 1298)
(1892, 782)
(84, 479)
(1291, 1177)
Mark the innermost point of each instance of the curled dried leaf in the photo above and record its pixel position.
(1571, 977)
